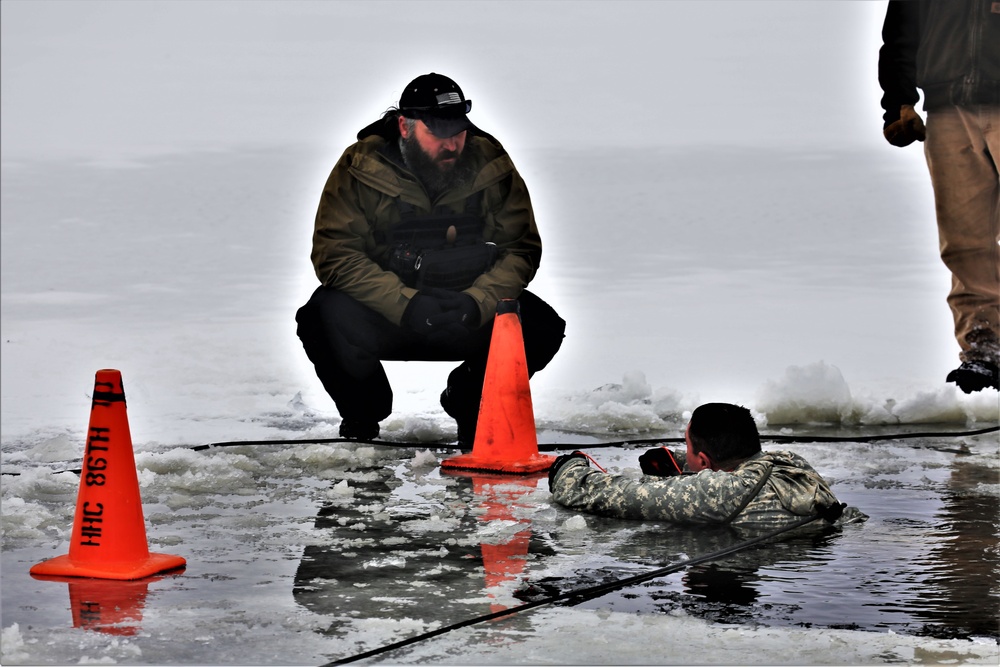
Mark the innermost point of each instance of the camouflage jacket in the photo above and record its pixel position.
(769, 489)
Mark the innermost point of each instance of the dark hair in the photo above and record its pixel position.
(727, 433)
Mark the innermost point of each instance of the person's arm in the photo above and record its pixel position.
(897, 73)
(341, 238)
(510, 224)
(708, 497)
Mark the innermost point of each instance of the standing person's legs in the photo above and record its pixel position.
(962, 150)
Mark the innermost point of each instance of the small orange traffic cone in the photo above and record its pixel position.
(505, 441)
(109, 532)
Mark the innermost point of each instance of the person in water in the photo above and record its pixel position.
(722, 478)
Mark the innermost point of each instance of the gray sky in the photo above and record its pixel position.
(106, 79)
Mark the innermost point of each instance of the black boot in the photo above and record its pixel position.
(357, 429)
(466, 416)
(975, 376)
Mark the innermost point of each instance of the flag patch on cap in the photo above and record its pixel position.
(449, 98)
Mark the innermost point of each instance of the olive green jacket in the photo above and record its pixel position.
(769, 489)
(359, 206)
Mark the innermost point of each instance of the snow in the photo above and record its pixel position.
(774, 255)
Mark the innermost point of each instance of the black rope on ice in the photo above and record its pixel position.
(581, 594)
(563, 446)
(328, 441)
(554, 447)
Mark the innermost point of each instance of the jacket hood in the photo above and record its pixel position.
(799, 488)
(385, 127)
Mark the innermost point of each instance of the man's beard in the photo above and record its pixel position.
(435, 177)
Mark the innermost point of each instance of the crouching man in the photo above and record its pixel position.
(723, 478)
(424, 225)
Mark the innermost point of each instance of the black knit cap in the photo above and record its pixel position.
(438, 102)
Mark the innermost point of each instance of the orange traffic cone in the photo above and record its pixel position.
(109, 532)
(505, 433)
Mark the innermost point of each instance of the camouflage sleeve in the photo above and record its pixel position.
(707, 497)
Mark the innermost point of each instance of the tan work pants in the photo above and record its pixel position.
(963, 151)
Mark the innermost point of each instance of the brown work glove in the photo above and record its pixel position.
(907, 129)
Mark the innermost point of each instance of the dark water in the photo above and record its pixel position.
(925, 562)
(912, 568)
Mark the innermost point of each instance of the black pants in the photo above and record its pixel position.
(347, 342)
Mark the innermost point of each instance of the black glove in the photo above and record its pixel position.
(659, 462)
(458, 309)
(831, 512)
(563, 460)
(441, 315)
(419, 313)
(906, 130)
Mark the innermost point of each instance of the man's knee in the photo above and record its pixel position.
(544, 331)
(333, 323)
(308, 326)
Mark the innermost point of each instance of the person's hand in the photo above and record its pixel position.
(907, 129)
(458, 317)
(420, 314)
(441, 315)
(458, 309)
(659, 462)
(563, 460)
(831, 512)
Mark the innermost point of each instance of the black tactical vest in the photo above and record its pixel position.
(440, 249)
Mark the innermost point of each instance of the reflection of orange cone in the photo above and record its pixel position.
(109, 532)
(111, 607)
(504, 561)
(505, 434)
